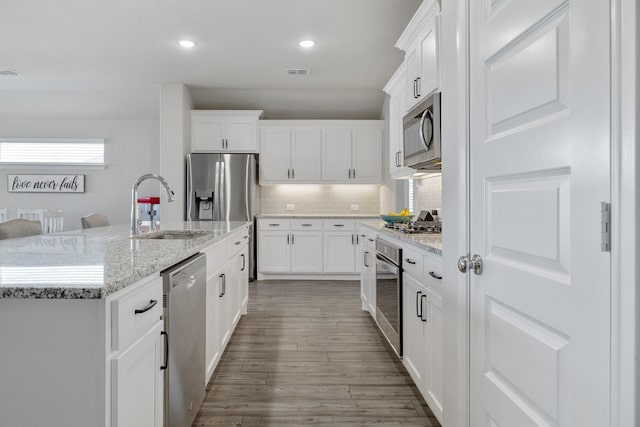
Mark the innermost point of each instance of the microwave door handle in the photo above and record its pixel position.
(426, 143)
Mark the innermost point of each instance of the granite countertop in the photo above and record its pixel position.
(293, 216)
(429, 242)
(93, 263)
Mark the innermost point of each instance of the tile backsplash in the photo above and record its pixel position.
(427, 194)
(320, 199)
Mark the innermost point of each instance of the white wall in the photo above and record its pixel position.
(175, 144)
(131, 149)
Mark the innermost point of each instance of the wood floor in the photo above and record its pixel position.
(305, 354)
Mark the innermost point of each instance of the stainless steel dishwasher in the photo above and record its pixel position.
(184, 302)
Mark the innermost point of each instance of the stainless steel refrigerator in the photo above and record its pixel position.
(224, 187)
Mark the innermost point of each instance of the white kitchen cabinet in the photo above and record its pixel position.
(274, 251)
(138, 382)
(306, 251)
(396, 88)
(290, 155)
(420, 41)
(213, 340)
(352, 155)
(367, 262)
(433, 387)
(339, 252)
(224, 131)
(414, 347)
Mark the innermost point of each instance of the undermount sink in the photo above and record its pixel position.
(172, 235)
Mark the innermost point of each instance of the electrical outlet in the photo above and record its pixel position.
(355, 207)
(291, 207)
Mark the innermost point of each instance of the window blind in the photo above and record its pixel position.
(18, 151)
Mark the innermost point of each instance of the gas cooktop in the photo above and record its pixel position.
(417, 227)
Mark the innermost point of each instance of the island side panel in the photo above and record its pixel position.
(52, 362)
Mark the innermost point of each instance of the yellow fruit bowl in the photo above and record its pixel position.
(396, 218)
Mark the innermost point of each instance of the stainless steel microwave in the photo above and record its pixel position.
(421, 135)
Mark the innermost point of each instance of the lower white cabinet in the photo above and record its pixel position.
(306, 251)
(138, 382)
(307, 247)
(339, 252)
(227, 295)
(422, 340)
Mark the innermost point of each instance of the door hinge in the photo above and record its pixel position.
(605, 227)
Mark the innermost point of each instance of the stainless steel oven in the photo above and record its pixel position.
(389, 292)
(421, 139)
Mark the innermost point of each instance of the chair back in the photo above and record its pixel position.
(53, 221)
(32, 214)
(3, 215)
(19, 228)
(94, 220)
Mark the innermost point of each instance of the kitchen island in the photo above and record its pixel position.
(81, 320)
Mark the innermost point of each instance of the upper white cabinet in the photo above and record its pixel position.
(352, 155)
(396, 88)
(224, 131)
(321, 151)
(420, 41)
(290, 154)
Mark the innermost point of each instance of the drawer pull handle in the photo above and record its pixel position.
(338, 225)
(306, 225)
(410, 261)
(372, 240)
(166, 350)
(274, 225)
(237, 243)
(152, 303)
(245, 237)
(434, 275)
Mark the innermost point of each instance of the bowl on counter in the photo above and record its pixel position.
(396, 218)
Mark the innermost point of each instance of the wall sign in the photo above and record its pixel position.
(45, 183)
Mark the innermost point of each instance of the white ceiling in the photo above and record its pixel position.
(100, 58)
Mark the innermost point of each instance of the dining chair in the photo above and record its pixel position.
(94, 220)
(19, 228)
(32, 214)
(53, 221)
(3, 215)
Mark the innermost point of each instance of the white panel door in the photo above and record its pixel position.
(414, 74)
(206, 133)
(241, 134)
(275, 155)
(212, 330)
(138, 383)
(226, 305)
(336, 155)
(274, 252)
(306, 155)
(539, 159)
(306, 252)
(339, 252)
(366, 158)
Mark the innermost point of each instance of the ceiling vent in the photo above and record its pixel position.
(298, 71)
(9, 73)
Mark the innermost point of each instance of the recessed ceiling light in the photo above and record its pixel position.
(186, 43)
(307, 43)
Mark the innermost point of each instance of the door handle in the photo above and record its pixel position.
(221, 286)
(166, 350)
(418, 87)
(354, 174)
(152, 303)
(352, 240)
(434, 275)
(293, 174)
(364, 259)
(418, 305)
(223, 143)
(410, 261)
(422, 298)
(287, 239)
(293, 239)
(288, 173)
(244, 262)
(475, 264)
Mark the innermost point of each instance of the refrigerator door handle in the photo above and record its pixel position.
(247, 174)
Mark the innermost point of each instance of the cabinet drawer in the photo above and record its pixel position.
(274, 224)
(433, 272)
(412, 263)
(339, 224)
(217, 255)
(239, 241)
(134, 313)
(306, 224)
